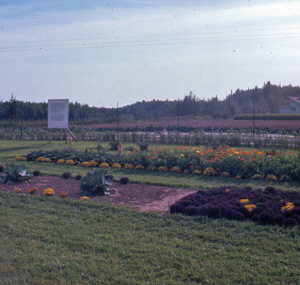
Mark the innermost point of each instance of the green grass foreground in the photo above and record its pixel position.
(47, 240)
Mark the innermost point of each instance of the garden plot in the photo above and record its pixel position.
(140, 196)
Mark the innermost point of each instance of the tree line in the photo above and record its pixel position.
(267, 99)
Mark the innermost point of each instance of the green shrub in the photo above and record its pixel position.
(143, 146)
(36, 173)
(124, 180)
(114, 145)
(94, 183)
(78, 177)
(66, 175)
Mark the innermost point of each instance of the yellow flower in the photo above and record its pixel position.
(116, 165)
(48, 192)
(104, 165)
(162, 169)
(271, 177)
(129, 166)
(257, 176)
(70, 162)
(139, 167)
(43, 159)
(93, 163)
(244, 201)
(182, 155)
(250, 207)
(23, 158)
(175, 169)
(288, 207)
(238, 177)
(197, 171)
(85, 164)
(60, 161)
(84, 198)
(209, 171)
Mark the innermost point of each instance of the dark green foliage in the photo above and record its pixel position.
(66, 175)
(131, 148)
(109, 177)
(15, 173)
(1, 168)
(78, 177)
(94, 183)
(143, 146)
(12, 110)
(114, 145)
(36, 173)
(124, 180)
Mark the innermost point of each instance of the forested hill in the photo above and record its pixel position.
(268, 99)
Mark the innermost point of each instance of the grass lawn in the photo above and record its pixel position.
(47, 240)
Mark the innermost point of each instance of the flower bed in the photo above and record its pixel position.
(269, 206)
(221, 161)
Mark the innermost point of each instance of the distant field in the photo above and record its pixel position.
(194, 122)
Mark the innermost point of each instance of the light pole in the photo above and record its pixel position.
(253, 120)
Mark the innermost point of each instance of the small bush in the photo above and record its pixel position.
(176, 208)
(114, 145)
(109, 176)
(143, 146)
(124, 180)
(66, 175)
(36, 173)
(1, 168)
(78, 177)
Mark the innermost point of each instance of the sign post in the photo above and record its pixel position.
(58, 115)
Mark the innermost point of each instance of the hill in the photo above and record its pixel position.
(267, 99)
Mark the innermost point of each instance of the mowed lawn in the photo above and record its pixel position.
(47, 240)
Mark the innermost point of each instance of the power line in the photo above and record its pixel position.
(145, 42)
(156, 35)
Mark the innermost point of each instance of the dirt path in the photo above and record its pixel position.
(140, 196)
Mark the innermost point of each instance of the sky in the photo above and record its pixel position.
(104, 53)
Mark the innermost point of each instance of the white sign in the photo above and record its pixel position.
(58, 113)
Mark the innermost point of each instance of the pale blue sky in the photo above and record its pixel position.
(104, 52)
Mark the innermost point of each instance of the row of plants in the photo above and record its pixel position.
(222, 161)
(279, 141)
(268, 207)
(169, 128)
